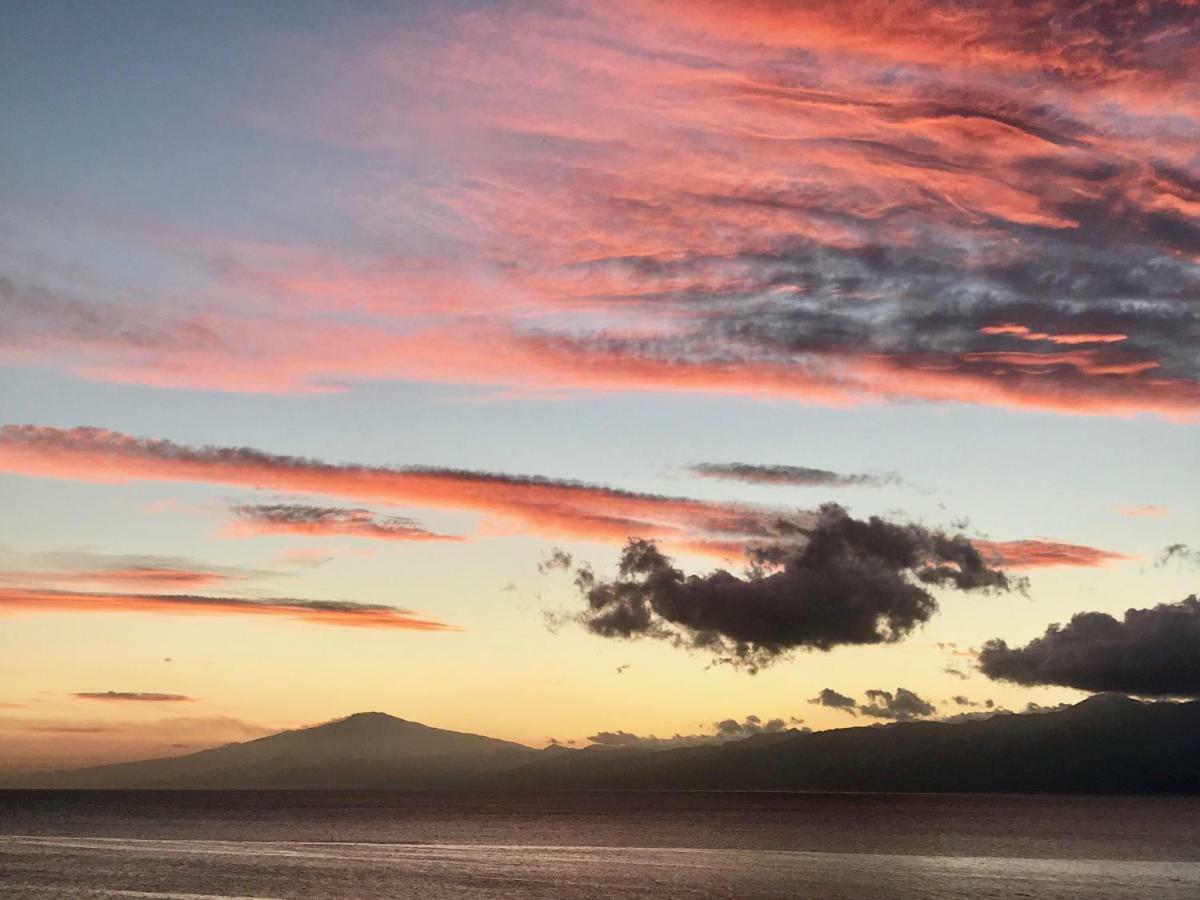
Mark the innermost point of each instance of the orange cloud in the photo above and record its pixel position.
(321, 612)
(1027, 334)
(1034, 554)
(131, 696)
(525, 503)
(1148, 510)
(144, 576)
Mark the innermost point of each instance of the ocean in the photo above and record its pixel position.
(201, 845)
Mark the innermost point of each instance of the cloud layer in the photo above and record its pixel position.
(555, 508)
(77, 567)
(835, 203)
(1152, 652)
(131, 697)
(1042, 553)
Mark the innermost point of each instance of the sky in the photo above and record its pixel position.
(555, 370)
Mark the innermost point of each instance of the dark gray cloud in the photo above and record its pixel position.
(962, 700)
(299, 518)
(957, 673)
(1178, 552)
(1037, 168)
(975, 712)
(800, 476)
(1152, 652)
(1033, 709)
(831, 698)
(902, 706)
(837, 581)
(555, 560)
(720, 733)
(1094, 319)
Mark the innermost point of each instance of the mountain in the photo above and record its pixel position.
(363, 751)
(1106, 744)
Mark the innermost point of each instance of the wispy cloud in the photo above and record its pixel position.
(797, 476)
(320, 521)
(321, 612)
(131, 697)
(1042, 553)
(528, 504)
(1147, 510)
(80, 567)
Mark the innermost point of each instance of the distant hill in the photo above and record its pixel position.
(1106, 744)
(363, 751)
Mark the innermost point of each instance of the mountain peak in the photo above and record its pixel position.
(371, 716)
(1108, 701)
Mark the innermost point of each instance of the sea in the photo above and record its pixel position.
(276, 845)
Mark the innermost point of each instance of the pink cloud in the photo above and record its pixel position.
(1147, 510)
(1041, 553)
(766, 200)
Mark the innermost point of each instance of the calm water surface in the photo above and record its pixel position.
(199, 845)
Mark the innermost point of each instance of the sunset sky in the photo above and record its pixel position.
(335, 339)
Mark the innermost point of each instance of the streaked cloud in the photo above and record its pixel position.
(528, 504)
(798, 476)
(131, 697)
(321, 612)
(82, 567)
(323, 521)
(1041, 553)
(1147, 510)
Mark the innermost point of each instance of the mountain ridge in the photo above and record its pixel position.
(1103, 744)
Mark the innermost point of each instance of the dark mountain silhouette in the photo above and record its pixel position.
(1106, 744)
(362, 751)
